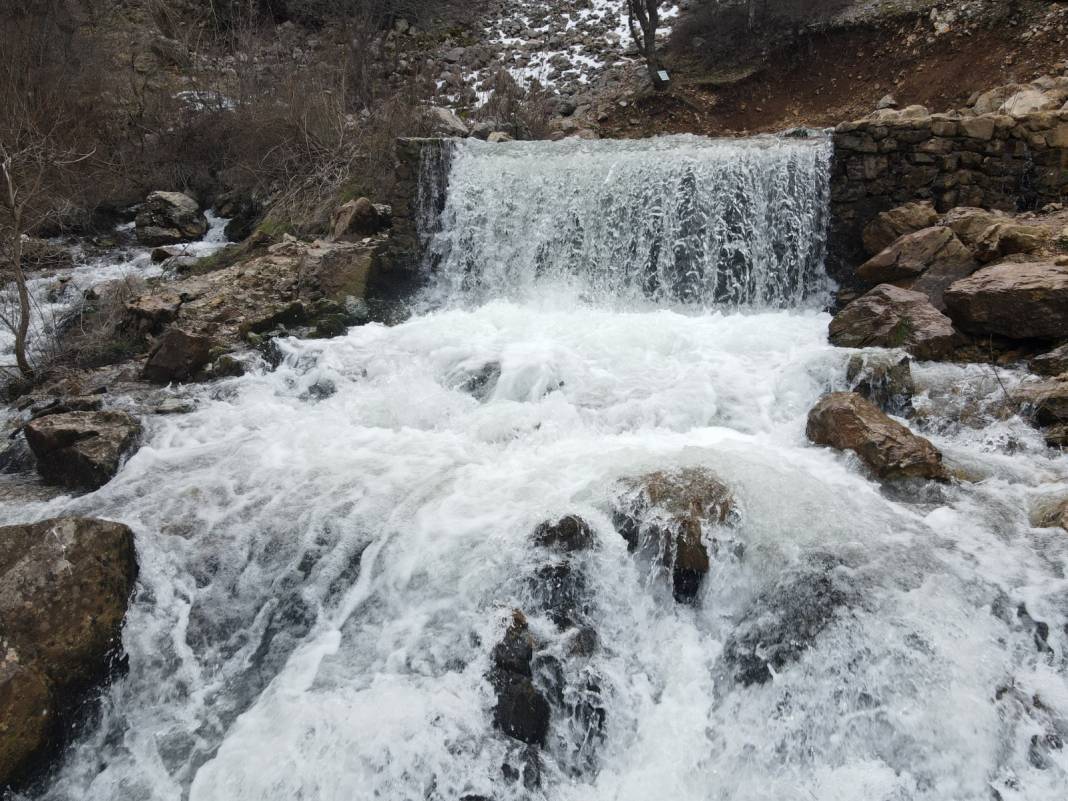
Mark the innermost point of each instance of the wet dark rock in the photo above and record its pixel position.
(1041, 746)
(568, 535)
(480, 383)
(559, 588)
(227, 366)
(524, 766)
(329, 326)
(64, 588)
(883, 379)
(1052, 363)
(521, 711)
(665, 515)
(583, 642)
(76, 403)
(515, 652)
(177, 356)
(16, 457)
(81, 450)
(847, 421)
(1047, 402)
(1039, 629)
(322, 389)
(243, 212)
(784, 621)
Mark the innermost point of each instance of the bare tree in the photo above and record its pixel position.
(643, 16)
(14, 204)
(28, 161)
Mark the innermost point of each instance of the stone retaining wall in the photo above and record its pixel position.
(418, 197)
(993, 161)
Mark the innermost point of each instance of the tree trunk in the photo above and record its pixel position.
(22, 325)
(644, 19)
(14, 208)
(652, 60)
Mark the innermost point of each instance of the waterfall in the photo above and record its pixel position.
(678, 220)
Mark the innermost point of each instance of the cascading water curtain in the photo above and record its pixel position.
(679, 220)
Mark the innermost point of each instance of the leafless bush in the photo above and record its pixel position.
(95, 333)
(524, 113)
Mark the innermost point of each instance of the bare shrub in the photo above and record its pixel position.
(95, 332)
(524, 113)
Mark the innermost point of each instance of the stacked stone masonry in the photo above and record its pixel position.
(995, 161)
(417, 197)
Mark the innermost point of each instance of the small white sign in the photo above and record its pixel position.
(663, 76)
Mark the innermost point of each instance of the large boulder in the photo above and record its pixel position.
(64, 588)
(847, 421)
(895, 223)
(356, 218)
(667, 515)
(150, 314)
(81, 450)
(1026, 300)
(926, 261)
(242, 212)
(445, 122)
(891, 317)
(168, 218)
(177, 356)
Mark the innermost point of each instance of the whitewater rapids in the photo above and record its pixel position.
(330, 551)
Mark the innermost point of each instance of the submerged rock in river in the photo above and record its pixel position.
(521, 711)
(64, 587)
(667, 514)
(568, 534)
(883, 378)
(847, 421)
(785, 620)
(82, 450)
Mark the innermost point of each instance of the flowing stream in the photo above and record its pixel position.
(330, 551)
